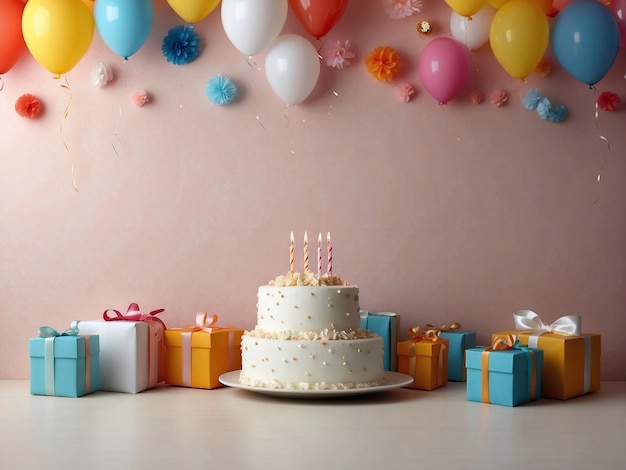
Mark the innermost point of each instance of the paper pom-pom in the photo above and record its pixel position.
(531, 99)
(499, 98)
(476, 97)
(181, 45)
(557, 113)
(139, 97)
(398, 9)
(543, 108)
(28, 106)
(403, 92)
(337, 53)
(544, 67)
(383, 63)
(101, 75)
(608, 101)
(221, 90)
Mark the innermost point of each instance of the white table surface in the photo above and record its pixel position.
(180, 428)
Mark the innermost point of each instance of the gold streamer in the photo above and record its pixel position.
(601, 136)
(66, 113)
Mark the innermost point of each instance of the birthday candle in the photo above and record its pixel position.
(306, 253)
(319, 254)
(291, 254)
(329, 248)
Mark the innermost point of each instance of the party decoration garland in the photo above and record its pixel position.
(28, 106)
(181, 45)
(383, 63)
(221, 90)
(545, 109)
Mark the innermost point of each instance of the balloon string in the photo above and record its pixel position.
(1, 83)
(330, 107)
(66, 113)
(253, 68)
(601, 137)
(119, 109)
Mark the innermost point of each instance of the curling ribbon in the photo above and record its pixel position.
(155, 340)
(206, 323)
(254, 67)
(50, 334)
(445, 327)
(66, 113)
(508, 343)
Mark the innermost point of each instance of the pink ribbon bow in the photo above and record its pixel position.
(133, 314)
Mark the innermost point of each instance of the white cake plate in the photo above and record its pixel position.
(392, 380)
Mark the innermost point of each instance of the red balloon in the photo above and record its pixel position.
(318, 16)
(11, 37)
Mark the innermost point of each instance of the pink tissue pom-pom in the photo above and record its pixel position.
(337, 53)
(398, 9)
(476, 97)
(608, 101)
(403, 92)
(499, 98)
(139, 97)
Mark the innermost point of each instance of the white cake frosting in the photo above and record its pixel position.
(307, 337)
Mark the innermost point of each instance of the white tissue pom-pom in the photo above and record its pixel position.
(101, 75)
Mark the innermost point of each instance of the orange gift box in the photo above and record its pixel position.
(197, 355)
(425, 358)
(571, 359)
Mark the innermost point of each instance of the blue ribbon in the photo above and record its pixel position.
(49, 334)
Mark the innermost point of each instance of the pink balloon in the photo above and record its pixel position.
(444, 68)
(618, 8)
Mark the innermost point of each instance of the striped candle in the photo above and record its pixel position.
(291, 263)
(319, 254)
(329, 249)
(306, 253)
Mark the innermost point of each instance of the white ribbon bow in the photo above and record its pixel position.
(565, 325)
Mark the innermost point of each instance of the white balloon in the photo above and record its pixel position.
(472, 33)
(252, 25)
(292, 67)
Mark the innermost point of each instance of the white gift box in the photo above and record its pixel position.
(129, 354)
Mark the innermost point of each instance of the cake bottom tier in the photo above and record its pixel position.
(311, 365)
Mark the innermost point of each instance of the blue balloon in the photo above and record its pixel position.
(585, 40)
(124, 25)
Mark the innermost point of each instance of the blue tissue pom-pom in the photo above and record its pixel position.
(558, 113)
(221, 90)
(531, 99)
(181, 45)
(543, 108)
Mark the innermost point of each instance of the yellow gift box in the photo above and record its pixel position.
(425, 358)
(197, 355)
(571, 359)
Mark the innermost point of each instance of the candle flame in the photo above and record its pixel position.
(291, 238)
(319, 239)
(306, 239)
(328, 238)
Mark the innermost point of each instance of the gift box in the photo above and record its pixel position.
(459, 340)
(386, 325)
(425, 358)
(197, 355)
(571, 358)
(131, 349)
(504, 374)
(64, 364)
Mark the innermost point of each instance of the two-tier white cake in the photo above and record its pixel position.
(307, 337)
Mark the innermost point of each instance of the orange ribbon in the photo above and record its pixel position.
(445, 327)
(417, 334)
(428, 334)
(507, 343)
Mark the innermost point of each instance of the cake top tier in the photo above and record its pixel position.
(307, 279)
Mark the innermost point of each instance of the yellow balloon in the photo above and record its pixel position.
(193, 11)
(467, 7)
(519, 37)
(497, 3)
(57, 32)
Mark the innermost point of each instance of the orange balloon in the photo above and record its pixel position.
(11, 37)
(318, 16)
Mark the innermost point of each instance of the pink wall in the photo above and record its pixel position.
(456, 213)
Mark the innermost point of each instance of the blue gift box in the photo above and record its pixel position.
(385, 325)
(64, 365)
(459, 341)
(509, 375)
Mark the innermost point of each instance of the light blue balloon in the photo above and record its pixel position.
(585, 40)
(124, 25)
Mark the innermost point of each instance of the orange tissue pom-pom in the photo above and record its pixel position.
(383, 63)
(28, 106)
